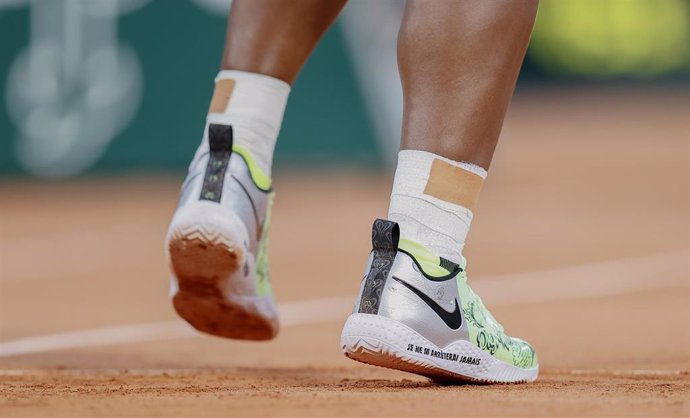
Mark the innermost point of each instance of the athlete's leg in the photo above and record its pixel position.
(266, 44)
(275, 37)
(217, 240)
(458, 61)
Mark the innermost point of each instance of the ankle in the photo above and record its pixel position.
(254, 105)
(432, 201)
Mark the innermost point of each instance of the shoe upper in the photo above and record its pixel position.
(225, 175)
(406, 282)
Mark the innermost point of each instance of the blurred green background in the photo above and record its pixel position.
(177, 46)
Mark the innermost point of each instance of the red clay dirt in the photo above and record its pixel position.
(578, 180)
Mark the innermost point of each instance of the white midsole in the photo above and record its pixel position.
(207, 222)
(459, 357)
(210, 223)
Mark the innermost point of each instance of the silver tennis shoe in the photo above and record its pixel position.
(416, 313)
(217, 243)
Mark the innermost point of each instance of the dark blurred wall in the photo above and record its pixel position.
(178, 47)
(69, 107)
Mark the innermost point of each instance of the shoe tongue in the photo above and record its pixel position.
(385, 235)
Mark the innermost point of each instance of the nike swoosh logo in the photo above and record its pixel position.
(452, 319)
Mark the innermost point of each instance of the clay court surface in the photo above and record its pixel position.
(580, 246)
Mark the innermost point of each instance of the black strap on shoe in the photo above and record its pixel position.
(220, 149)
(385, 236)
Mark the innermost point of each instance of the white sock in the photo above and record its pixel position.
(432, 200)
(254, 105)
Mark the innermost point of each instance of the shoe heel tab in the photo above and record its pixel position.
(220, 149)
(384, 238)
(219, 137)
(385, 235)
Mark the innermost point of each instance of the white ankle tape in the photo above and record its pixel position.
(254, 105)
(433, 216)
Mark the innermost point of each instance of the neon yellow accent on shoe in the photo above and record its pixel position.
(260, 178)
(487, 333)
(429, 262)
(263, 278)
(484, 330)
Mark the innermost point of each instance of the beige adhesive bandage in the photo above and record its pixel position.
(221, 95)
(453, 184)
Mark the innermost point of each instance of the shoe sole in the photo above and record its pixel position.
(203, 262)
(384, 342)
